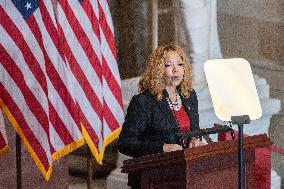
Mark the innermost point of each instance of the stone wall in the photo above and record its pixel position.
(252, 29)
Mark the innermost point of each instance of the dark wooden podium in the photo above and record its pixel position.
(210, 166)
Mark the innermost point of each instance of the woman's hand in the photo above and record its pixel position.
(171, 147)
(194, 142)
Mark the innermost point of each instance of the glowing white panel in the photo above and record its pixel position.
(232, 88)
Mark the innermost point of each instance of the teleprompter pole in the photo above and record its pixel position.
(240, 120)
(241, 158)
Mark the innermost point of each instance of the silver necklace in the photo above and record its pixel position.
(175, 106)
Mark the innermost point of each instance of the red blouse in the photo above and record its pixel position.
(183, 119)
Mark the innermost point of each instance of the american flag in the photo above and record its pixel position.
(87, 37)
(35, 90)
(59, 76)
(3, 137)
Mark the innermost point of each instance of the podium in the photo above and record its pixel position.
(210, 166)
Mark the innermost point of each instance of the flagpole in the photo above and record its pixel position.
(18, 161)
(90, 169)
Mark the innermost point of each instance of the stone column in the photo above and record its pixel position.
(201, 22)
(131, 32)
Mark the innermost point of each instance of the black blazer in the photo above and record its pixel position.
(150, 123)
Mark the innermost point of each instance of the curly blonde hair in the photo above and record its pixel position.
(152, 78)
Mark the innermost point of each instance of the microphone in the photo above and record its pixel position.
(184, 137)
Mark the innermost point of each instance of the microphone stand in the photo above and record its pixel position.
(240, 121)
(199, 133)
(202, 132)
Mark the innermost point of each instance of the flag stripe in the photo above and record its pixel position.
(47, 10)
(63, 101)
(57, 144)
(84, 83)
(60, 126)
(20, 100)
(110, 59)
(113, 116)
(114, 88)
(55, 73)
(93, 17)
(113, 104)
(18, 77)
(113, 108)
(55, 81)
(53, 116)
(93, 135)
(105, 12)
(83, 39)
(63, 113)
(107, 30)
(88, 23)
(17, 55)
(110, 119)
(23, 43)
(53, 38)
(75, 54)
(84, 31)
(64, 117)
(88, 115)
(79, 61)
(16, 18)
(36, 144)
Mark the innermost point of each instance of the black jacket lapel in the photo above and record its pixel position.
(185, 103)
(164, 106)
